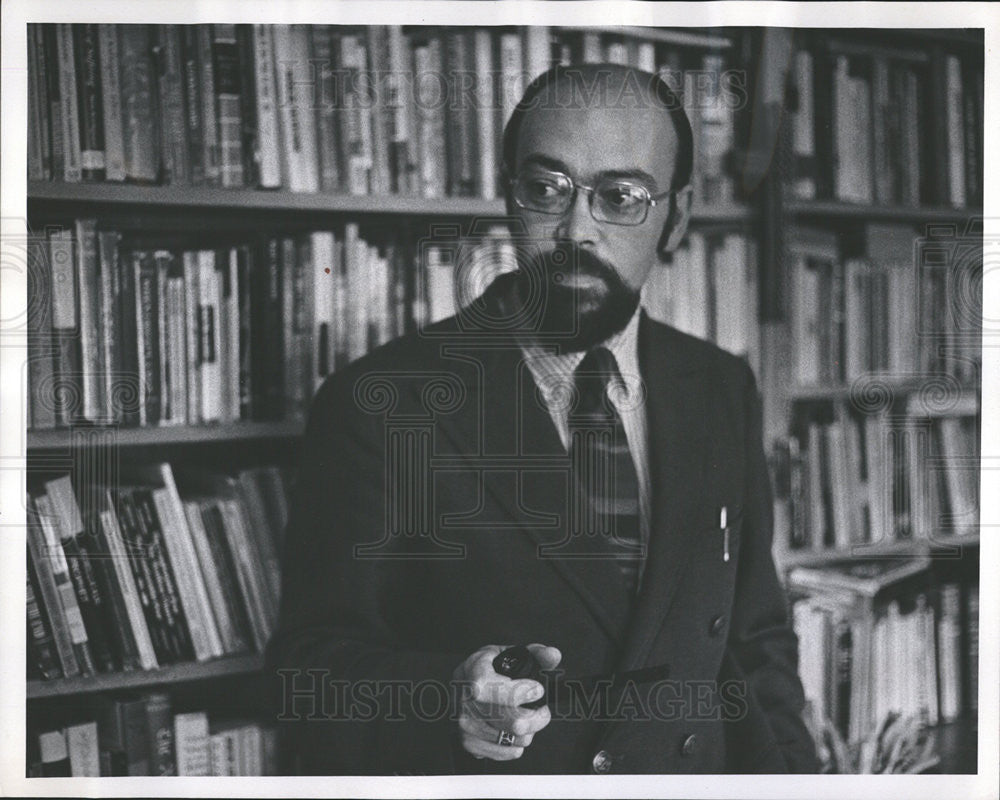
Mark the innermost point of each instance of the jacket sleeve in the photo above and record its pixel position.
(762, 648)
(343, 683)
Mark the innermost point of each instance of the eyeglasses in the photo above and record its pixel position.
(617, 201)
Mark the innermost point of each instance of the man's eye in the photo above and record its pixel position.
(543, 189)
(622, 195)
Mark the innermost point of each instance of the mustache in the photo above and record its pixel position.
(569, 259)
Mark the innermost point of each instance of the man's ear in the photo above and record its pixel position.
(677, 223)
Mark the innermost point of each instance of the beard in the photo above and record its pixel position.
(577, 299)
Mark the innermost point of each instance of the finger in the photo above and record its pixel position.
(496, 752)
(499, 690)
(520, 721)
(547, 656)
(481, 730)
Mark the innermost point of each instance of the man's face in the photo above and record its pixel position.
(596, 267)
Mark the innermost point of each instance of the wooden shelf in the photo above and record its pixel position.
(63, 438)
(858, 212)
(966, 401)
(814, 558)
(128, 197)
(177, 673)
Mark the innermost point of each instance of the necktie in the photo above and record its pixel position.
(607, 488)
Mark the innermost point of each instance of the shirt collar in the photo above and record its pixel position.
(551, 368)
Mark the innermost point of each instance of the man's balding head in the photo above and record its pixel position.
(612, 87)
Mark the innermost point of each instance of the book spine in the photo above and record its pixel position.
(40, 636)
(111, 541)
(41, 364)
(111, 98)
(139, 120)
(268, 141)
(53, 84)
(140, 561)
(246, 355)
(210, 569)
(161, 262)
(272, 382)
(131, 414)
(109, 326)
(93, 367)
(954, 127)
(323, 245)
(191, 741)
(190, 588)
(355, 120)
(49, 591)
(399, 101)
(193, 109)
(211, 156)
(175, 166)
(192, 317)
(72, 170)
(486, 145)
(88, 70)
(210, 356)
(377, 109)
(81, 742)
(65, 332)
(166, 585)
(39, 146)
(160, 730)
(248, 104)
(147, 310)
(326, 111)
(461, 117)
(226, 68)
(224, 562)
(65, 586)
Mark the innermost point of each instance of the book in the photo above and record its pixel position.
(211, 154)
(192, 743)
(123, 735)
(111, 111)
(864, 578)
(321, 41)
(67, 394)
(86, 51)
(174, 154)
(42, 653)
(193, 105)
(84, 758)
(146, 284)
(93, 365)
(72, 168)
(429, 117)
(295, 108)
(268, 153)
(160, 732)
(43, 567)
(50, 548)
(228, 104)
(139, 120)
(54, 755)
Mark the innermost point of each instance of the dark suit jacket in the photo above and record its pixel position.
(430, 519)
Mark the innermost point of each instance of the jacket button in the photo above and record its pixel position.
(602, 762)
(687, 748)
(716, 625)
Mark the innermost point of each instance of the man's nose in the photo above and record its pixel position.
(577, 224)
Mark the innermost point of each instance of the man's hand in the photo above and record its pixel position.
(491, 703)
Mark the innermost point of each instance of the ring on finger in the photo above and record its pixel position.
(505, 738)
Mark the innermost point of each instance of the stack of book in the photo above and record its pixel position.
(708, 288)
(873, 480)
(311, 108)
(907, 305)
(140, 735)
(887, 126)
(132, 334)
(152, 572)
(877, 641)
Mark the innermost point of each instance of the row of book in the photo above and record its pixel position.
(887, 126)
(708, 288)
(126, 576)
(313, 108)
(877, 479)
(877, 639)
(130, 334)
(906, 305)
(139, 735)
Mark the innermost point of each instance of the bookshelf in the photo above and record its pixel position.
(852, 492)
(728, 230)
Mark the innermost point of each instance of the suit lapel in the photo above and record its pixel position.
(677, 396)
(505, 422)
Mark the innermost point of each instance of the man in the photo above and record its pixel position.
(550, 468)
